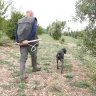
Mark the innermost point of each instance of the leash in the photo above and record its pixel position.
(33, 47)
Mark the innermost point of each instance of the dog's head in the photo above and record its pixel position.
(64, 50)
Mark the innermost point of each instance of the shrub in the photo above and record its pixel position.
(40, 30)
(11, 24)
(62, 40)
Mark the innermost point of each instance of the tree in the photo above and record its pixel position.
(3, 9)
(86, 9)
(40, 30)
(11, 23)
(56, 33)
(56, 28)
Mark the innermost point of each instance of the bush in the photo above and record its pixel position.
(56, 34)
(89, 41)
(40, 30)
(11, 24)
(62, 40)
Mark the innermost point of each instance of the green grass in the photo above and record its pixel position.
(2, 62)
(16, 72)
(93, 90)
(22, 86)
(68, 67)
(70, 39)
(80, 84)
(48, 70)
(69, 76)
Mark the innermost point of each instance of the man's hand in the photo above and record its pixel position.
(25, 42)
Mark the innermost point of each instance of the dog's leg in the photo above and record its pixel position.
(62, 66)
(57, 64)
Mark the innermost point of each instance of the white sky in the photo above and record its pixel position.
(48, 11)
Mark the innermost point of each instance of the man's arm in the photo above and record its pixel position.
(34, 30)
(16, 36)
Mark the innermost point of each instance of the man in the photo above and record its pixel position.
(27, 30)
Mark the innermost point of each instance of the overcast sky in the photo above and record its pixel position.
(48, 11)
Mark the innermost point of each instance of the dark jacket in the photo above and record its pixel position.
(26, 29)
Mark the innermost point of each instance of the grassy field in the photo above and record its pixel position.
(78, 78)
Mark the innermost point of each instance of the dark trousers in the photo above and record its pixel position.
(24, 50)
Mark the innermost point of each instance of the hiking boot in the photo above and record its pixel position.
(36, 69)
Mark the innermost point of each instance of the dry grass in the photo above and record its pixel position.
(49, 81)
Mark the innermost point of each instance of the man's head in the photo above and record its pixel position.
(29, 13)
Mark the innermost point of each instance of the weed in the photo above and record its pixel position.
(80, 84)
(22, 86)
(69, 76)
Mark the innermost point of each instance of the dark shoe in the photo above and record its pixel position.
(36, 69)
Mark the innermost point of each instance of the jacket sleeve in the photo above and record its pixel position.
(34, 30)
(16, 36)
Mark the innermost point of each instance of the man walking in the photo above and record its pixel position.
(27, 30)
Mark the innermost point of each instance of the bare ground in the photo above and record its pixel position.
(43, 83)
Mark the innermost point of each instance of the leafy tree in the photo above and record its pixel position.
(40, 30)
(86, 9)
(3, 9)
(56, 28)
(56, 33)
(11, 24)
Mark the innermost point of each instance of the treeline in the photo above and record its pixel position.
(86, 10)
(87, 37)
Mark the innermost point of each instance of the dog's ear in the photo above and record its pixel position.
(64, 50)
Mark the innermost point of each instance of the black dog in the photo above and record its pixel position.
(60, 56)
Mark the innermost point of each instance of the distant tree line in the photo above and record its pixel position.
(86, 10)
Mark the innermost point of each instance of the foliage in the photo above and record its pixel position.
(89, 40)
(56, 34)
(3, 9)
(69, 76)
(62, 40)
(80, 84)
(86, 9)
(40, 30)
(75, 34)
(11, 24)
(56, 29)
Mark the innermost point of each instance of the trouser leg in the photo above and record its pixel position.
(33, 59)
(23, 58)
